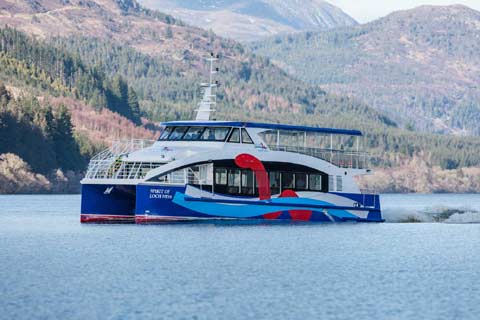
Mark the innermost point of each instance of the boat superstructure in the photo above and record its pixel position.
(205, 169)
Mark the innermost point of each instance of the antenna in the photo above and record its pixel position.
(209, 95)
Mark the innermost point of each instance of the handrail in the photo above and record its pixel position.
(340, 158)
(183, 177)
(123, 146)
(109, 164)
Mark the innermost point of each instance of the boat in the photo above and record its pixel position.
(203, 170)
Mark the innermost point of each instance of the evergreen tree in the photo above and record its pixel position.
(134, 105)
(66, 149)
(105, 73)
(118, 97)
(4, 95)
(60, 72)
(98, 100)
(169, 33)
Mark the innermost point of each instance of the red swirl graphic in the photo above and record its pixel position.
(247, 161)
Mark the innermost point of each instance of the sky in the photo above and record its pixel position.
(368, 10)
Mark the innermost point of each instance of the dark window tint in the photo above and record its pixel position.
(235, 136)
(177, 133)
(233, 181)
(221, 176)
(215, 134)
(288, 180)
(274, 182)
(166, 133)
(300, 181)
(193, 133)
(315, 182)
(245, 137)
(248, 182)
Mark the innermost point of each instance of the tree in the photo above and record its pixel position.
(118, 97)
(245, 71)
(169, 33)
(133, 105)
(4, 95)
(67, 151)
(98, 100)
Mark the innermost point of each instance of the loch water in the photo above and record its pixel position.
(52, 267)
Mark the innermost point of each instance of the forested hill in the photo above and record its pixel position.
(421, 66)
(133, 64)
(165, 62)
(59, 72)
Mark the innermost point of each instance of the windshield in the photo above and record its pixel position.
(177, 133)
(166, 132)
(195, 133)
(215, 134)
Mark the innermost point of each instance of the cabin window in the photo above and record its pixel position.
(339, 183)
(166, 132)
(233, 181)
(300, 181)
(245, 137)
(193, 175)
(315, 182)
(177, 133)
(199, 174)
(288, 180)
(248, 182)
(193, 133)
(221, 176)
(331, 186)
(215, 134)
(235, 136)
(230, 179)
(274, 182)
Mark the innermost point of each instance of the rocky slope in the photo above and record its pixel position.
(247, 20)
(420, 66)
(169, 59)
(162, 59)
(122, 20)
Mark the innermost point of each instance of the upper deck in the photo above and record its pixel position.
(265, 126)
(340, 147)
(132, 160)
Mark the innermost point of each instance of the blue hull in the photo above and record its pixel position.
(108, 203)
(147, 203)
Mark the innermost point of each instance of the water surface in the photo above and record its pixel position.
(52, 267)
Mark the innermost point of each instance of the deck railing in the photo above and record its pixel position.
(109, 163)
(340, 158)
(182, 177)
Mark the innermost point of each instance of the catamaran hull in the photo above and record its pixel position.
(155, 204)
(103, 203)
(166, 203)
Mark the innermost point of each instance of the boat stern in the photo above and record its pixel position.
(103, 203)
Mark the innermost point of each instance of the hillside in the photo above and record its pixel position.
(55, 113)
(248, 20)
(168, 60)
(421, 67)
(142, 64)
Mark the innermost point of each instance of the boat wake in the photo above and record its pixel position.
(434, 214)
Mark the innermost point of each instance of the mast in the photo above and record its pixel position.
(209, 95)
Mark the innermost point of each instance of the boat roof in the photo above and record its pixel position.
(274, 126)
